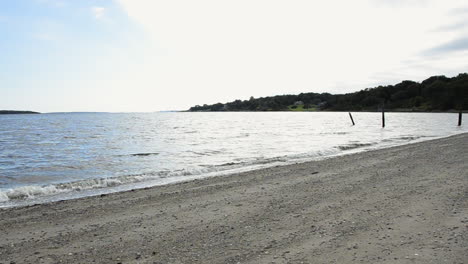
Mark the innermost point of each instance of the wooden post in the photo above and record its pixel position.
(383, 115)
(350, 116)
(460, 118)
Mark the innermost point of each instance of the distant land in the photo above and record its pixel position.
(12, 112)
(437, 93)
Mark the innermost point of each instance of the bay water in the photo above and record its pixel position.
(58, 156)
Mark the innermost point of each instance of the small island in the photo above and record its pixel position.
(16, 112)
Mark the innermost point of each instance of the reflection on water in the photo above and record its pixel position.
(58, 153)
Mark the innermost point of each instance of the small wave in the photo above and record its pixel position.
(403, 138)
(12, 156)
(197, 153)
(334, 133)
(340, 133)
(3, 197)
(269, 160)
(354, 146)
(408, 138)
(230, 164)
(27, 192)
(34, 191)
(206, 152)
(256, 161)
(7, 177)
(144, 154)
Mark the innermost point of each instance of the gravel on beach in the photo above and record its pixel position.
(406, 204)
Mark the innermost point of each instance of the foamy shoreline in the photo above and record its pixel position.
(404, 204)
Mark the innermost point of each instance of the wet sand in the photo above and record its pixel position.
(406, 204)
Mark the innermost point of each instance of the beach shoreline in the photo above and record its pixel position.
(51, 193)
(404, 204)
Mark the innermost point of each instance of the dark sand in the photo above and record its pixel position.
(406, 204)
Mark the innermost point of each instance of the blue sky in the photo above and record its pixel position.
(54, 53)
(144, 55)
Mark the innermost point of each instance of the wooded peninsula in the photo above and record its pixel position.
(437, 93)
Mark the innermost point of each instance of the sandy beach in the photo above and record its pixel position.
(406, 204)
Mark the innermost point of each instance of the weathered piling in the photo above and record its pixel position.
(383, 116)
(351, 116)
(460, 118)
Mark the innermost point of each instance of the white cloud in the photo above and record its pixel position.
(98, 12)
(212, 50)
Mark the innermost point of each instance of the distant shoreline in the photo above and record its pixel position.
(16, 112)
(317, 111)
(437, 93)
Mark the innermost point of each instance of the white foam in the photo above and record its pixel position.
(34, 191)
(27, 192)
(3, 197)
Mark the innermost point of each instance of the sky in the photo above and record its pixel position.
(152, 55)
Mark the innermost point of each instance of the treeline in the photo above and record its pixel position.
(15, 112)
(437, 93)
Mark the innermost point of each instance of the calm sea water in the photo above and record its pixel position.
(61, 156)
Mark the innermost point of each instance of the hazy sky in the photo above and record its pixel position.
(149, 55)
